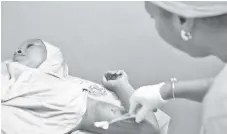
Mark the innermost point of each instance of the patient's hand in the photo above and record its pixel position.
(115, 80)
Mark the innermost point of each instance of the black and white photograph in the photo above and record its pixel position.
(114, 67)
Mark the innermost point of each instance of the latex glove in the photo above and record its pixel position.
(119, 80)
(147, 96)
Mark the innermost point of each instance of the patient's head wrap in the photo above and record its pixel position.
(194, 9)
(54, 63)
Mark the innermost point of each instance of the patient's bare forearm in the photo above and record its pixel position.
(194, 90)
(124, 92)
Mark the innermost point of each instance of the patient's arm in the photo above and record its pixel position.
(124, 92)
(123, 89)
(101, 111)
(120, 85)
(124, 127)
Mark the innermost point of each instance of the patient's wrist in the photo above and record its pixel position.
(124, 86)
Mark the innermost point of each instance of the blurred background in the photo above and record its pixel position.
(98, 36)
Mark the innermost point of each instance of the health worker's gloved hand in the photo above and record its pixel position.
(149, 98)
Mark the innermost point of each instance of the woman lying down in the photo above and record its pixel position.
(39, 97)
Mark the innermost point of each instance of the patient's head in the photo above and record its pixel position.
(31, 53)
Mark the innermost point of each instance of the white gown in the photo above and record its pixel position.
(215, 106)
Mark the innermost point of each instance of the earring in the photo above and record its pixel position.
(185, 35)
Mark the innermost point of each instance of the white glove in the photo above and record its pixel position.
(147, 96)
